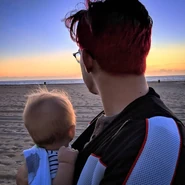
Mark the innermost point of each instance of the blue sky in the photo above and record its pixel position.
(34, 27)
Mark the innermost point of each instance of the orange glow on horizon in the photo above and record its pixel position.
(56, 65)
(161, 61)
(166, 61)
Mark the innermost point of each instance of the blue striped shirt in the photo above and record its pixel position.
(53, 162)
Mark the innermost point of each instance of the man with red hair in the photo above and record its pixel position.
(136, 139)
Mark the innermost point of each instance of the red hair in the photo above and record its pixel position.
(117, 33)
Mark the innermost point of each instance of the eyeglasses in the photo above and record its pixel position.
(77, 56)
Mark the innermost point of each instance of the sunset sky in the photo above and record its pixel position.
(35, 43)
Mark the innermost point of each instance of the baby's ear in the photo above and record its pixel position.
(72, 132)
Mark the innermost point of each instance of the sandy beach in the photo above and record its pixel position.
(14, 138)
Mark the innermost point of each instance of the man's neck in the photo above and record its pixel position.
(118, 92)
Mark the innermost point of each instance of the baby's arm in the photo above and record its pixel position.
(22, 175)
(66, 165)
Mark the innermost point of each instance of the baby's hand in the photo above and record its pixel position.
(67, 155)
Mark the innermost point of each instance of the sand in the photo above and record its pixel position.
(14, 138)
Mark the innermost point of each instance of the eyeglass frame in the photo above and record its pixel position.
(74, 54)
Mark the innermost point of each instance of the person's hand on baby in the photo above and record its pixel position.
(67, 155)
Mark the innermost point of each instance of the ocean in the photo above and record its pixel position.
(80, 81)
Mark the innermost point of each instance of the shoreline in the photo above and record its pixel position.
(51, 84)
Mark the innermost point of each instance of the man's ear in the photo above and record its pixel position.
(87, 60)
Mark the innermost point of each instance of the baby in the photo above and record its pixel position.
(50, 120)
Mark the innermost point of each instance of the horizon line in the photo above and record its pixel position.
(64, 78)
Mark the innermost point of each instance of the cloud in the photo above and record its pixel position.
(172, 71)
(158, 72)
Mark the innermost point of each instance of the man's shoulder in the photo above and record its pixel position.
(131, 136)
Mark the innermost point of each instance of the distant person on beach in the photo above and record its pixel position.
(136, 140)
(50, 120)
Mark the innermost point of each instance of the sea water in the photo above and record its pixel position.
(79, 81)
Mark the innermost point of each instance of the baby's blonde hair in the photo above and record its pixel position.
(48, 116)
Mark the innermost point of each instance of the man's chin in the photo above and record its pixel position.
(93, 91)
